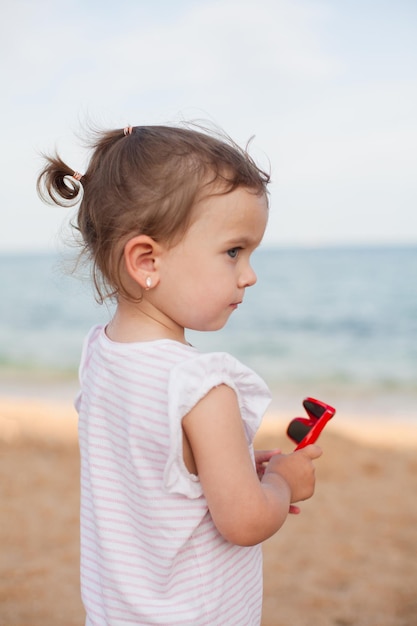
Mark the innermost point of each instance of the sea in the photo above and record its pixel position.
(335, 323)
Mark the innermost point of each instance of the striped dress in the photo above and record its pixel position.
(150, 552)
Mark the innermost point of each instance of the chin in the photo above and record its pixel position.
(216, 326)
(208, 327)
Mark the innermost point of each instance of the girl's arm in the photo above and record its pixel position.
(245, 510)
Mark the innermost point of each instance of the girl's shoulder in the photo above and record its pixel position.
(191, 379)
(212, 366)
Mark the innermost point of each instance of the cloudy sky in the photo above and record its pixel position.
(328, 88)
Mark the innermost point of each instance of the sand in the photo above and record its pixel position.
(349, 559)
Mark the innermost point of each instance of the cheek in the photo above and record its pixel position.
(206, 290)
(212, 278)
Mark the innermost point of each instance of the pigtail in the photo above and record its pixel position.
(59, 184)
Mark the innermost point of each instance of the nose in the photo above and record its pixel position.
(247, 278)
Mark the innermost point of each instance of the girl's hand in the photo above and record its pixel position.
(262, 458)
(297, 469)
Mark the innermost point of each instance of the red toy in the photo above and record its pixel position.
(304, 430)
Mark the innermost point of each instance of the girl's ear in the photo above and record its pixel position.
(141, 255)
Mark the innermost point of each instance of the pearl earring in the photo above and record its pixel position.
(148, 282)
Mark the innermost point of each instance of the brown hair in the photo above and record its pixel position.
(145, 180)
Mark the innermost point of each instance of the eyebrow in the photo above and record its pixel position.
(242, 241)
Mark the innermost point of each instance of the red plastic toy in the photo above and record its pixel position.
(304, 430)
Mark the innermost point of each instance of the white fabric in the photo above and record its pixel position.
(150, 552)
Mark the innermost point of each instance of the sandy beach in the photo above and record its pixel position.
(349, 559)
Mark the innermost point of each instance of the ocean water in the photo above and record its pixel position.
(339, 324)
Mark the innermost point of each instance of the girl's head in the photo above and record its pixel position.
(145, 180)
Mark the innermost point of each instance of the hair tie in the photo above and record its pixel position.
(127, 130)
(77, 176)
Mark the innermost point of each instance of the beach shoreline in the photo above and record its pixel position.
(33, 413)
(348, 558)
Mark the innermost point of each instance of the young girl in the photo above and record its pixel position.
(174, 501)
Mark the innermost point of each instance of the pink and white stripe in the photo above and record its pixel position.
(150, 553)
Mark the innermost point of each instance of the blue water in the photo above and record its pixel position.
(337, 323)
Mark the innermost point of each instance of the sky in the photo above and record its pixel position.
(327, 88)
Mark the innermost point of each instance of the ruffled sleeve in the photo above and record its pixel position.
(189, 382)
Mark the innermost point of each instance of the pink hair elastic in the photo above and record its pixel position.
(77, 176)
(127, 130)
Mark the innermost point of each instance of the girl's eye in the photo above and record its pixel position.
(233, 252)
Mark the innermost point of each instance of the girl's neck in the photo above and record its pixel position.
(132, 323)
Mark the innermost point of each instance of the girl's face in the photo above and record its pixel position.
(203, 278)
